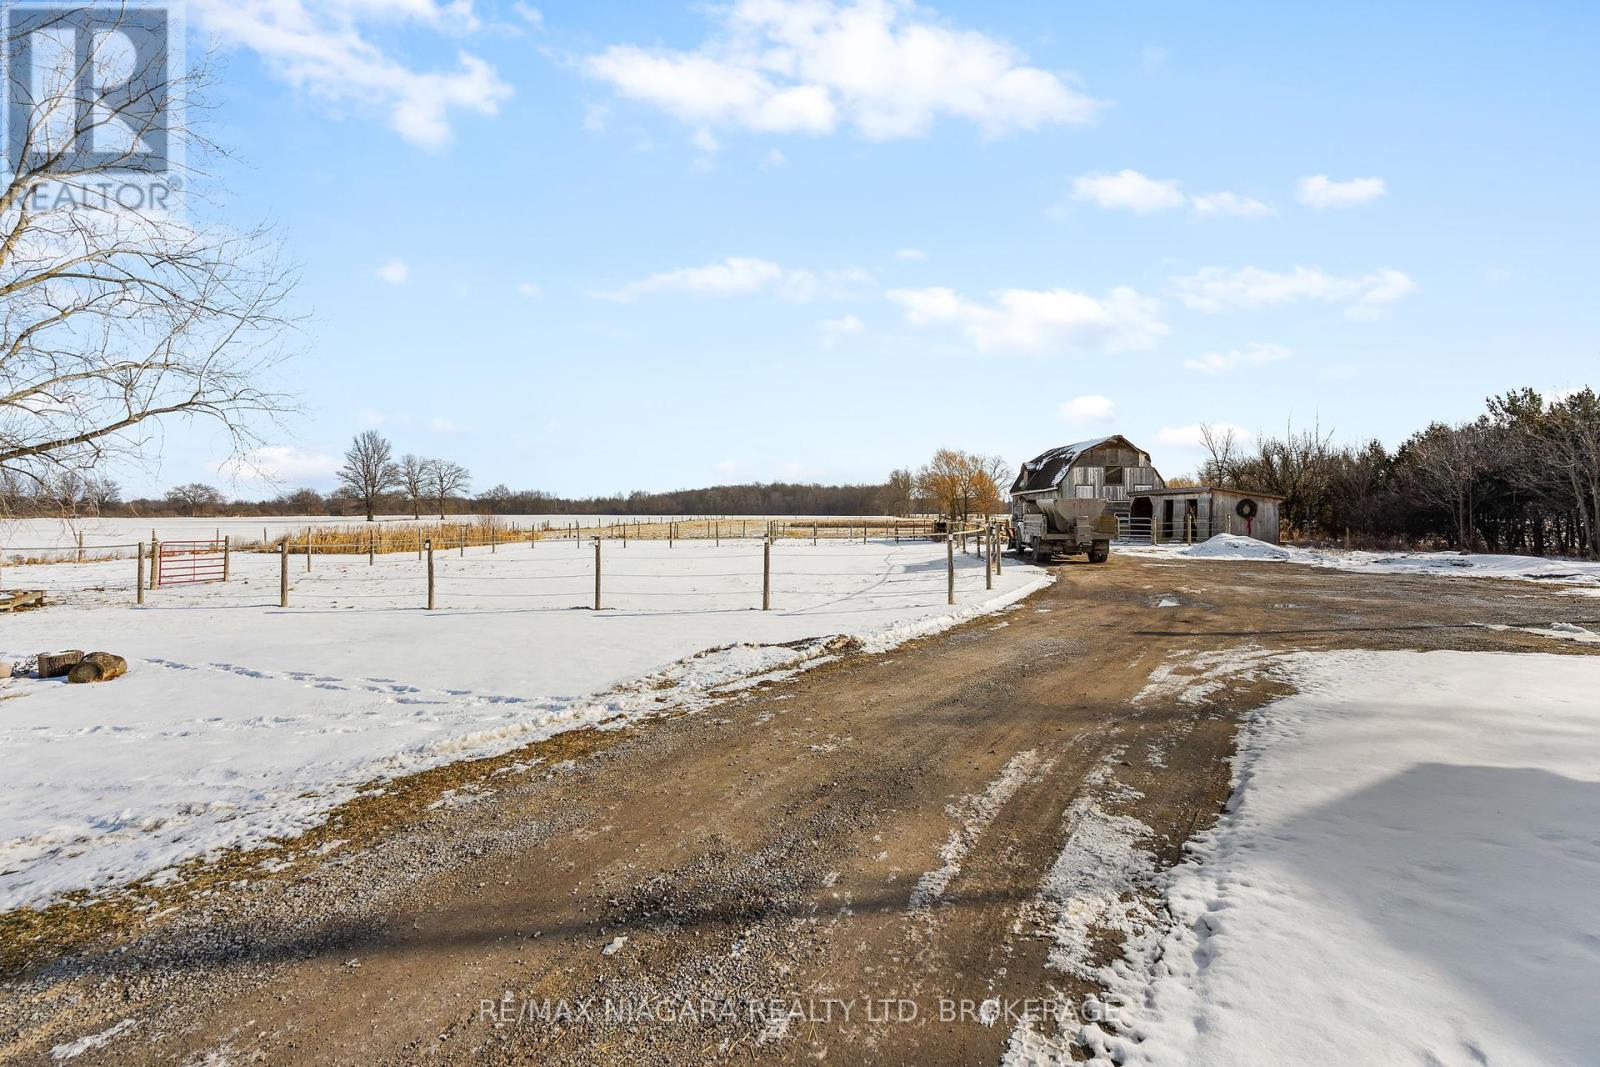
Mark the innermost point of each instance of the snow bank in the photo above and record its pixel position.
(1405, 874)
(239, 722)
(1234, 546)
(1448, 564)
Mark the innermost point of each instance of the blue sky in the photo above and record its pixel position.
(590, 248)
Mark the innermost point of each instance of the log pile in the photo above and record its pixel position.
(79, 667)
(98, 667)
(56, 664)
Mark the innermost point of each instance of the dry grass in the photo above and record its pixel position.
(488, 531)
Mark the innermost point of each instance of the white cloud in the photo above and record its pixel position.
(1128, 190)
(395, 272)
(706, 141)
(1251, 355)
(1322, 192)
(1033, 320)
(1214, 289)
(529, 290)
(1244, 207)
(745, 276)
(279, 463)
(833, 329)
(884, 70)
(1192, 437)
(911, 253)
(326, 49)
(529, 14)
(1090, 408)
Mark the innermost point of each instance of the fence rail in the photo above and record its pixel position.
(1181, 529)
(606, 571)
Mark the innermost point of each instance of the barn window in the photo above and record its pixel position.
(1084, 492)
(1113, 475)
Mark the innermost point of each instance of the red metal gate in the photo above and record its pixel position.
(191, 562)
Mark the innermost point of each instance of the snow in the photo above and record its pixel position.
(1449, 564)
(1233, 546)
(972, 816)
(59, 534)
(239, 723)
(73, 1049)
(1405, 874)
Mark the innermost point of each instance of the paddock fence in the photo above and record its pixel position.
(756, 564)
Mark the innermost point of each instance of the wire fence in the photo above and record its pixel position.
(386, 537)
(765, 573)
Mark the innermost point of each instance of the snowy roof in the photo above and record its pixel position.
(1046, 470)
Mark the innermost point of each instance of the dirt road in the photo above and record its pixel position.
(842, 867)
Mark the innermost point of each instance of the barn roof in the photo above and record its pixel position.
(1046, 470)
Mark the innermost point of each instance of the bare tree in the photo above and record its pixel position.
(1222, 456)
(962, 483)
(445, 480)
(368, 470)
(102, 493)
(414, 481)
(900, 494)
(195, 498)
(304, 502)
(115, 318)
(1446, 461)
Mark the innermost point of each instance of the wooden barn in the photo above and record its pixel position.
(1117, 471)
(1112, 469)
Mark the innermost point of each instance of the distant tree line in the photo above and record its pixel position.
(1523, 477)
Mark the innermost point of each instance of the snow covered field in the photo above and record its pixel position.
(1406, 875)
(239, 721)
(18, 534)
(1449, 564)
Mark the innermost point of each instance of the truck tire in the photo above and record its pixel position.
(1041, 554)
(1099, 551)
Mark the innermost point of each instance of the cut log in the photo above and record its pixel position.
(98, 667)
(55, 664)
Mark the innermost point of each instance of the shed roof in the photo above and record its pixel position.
(1191, 490)
(1046, 470)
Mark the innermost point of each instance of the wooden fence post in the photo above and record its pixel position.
(155, 564)
(950, 568)
(80, 546)
(427, 547)
(766, 575)
(138, 586)
(988, 559)
(283, 572)
(308, 550)
(226, 555)
(597, 574)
